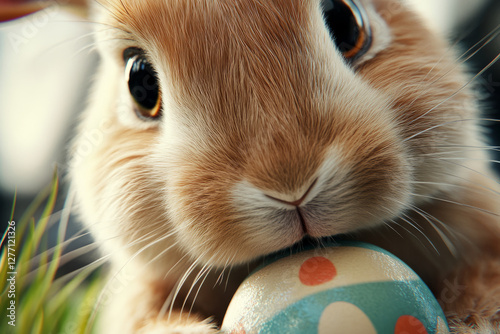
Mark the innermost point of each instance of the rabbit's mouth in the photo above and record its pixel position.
(303, 222)
(299, 210)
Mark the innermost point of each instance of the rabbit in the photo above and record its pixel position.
(221, 131)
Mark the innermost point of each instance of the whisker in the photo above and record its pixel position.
(220, 278)
(198, 292)
(475, 184)
(485, 147)
(92, 266)
(60, 44)
(229, 274)
(183, 280)
(488, 177)
(67, 257)
(414, 224)
(175, 265)
(462, 151)
(72, 255)
(450, 123)
(485, 41)
(63, 244)
(169, 301)
(487, 67)
(204, 272)
(407, 230)
(170, 298)
(470, 159)
(388, 225)
(163, 252)
(93, 46)
(140, 251)
(105, 257)
(456, 203)
(471, 52)
(445, 184)
(444, 237)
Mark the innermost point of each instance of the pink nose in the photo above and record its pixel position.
(297, 202)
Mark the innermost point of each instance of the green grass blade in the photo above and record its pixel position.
(45, 305)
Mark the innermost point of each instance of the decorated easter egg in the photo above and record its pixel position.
(347, 288)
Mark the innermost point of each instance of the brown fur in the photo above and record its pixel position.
(258, 102)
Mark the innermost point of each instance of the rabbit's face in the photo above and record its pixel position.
(232, 129)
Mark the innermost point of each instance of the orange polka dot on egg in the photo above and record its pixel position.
(317, 270)
(408, 324)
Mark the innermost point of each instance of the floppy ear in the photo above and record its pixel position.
(14, 9)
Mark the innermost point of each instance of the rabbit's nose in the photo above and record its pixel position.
(297, 202)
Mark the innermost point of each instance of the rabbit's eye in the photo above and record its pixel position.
(348, 25)
(142, 84)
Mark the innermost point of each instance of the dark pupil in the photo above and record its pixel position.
(143, 84)
(342, 23)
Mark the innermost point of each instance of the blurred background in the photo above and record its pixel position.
(47, 62)
(46, 66)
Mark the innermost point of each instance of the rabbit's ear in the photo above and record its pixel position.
(14, 9)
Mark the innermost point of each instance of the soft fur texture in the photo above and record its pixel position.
(258, 102)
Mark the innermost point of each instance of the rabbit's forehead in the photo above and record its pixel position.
(193, 39)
